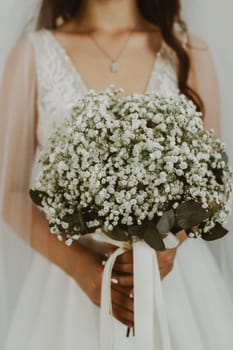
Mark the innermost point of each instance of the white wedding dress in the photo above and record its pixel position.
(52, 312)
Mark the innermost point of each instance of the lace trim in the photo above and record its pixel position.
(59, 82)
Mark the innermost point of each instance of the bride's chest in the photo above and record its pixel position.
(59, 83)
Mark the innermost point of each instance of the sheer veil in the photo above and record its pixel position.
(17, 131)
(17, 119)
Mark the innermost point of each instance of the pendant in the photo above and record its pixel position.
(115, 67)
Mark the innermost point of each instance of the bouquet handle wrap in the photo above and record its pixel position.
(150, 322)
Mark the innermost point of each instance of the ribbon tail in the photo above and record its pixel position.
(151, 328)
(106, 318)
(162, 336)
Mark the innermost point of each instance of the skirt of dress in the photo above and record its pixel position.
(53, 313)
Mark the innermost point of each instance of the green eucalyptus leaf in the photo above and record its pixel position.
(175, 229)
(135, 230)
(76, 219)
(118, 234)
(37, 196)
(166, 222)
(71, 219)
(89, 230)
(190, 214)
(83, 227)
(218, 173)
(90, 215)
(225, 157)
(153, 237)
(215, 233)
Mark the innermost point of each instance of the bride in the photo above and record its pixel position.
(52, 295)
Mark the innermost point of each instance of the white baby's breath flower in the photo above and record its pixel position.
(127, 159)
(69, 242)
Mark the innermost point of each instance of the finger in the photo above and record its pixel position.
(123, 314)
(123, 280)
(181, 236)
(166, 258)
(167, 264)
(122, 301)
(110, 246)
(166, 253)
(123, 268)
(128, 292)
(164, 272)
(128, 323)
(125, 258)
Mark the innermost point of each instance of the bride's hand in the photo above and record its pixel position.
(122, 292)
(124, 263)
(166, 258)
(89, 278)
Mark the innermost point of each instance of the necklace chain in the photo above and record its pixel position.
(114, 66)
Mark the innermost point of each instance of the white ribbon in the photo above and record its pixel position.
(106, 318)
(151, 328)
(150, 321)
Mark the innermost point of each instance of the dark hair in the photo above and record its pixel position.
(163, 13)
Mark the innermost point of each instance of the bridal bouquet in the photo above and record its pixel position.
(140, 166)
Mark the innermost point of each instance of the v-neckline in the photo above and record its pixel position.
(77, 74)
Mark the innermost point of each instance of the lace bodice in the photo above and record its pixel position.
(59, 82)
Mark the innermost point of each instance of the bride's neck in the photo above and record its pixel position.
(109, 15)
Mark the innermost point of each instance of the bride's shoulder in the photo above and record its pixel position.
(195, 46)
(203, 79)
(196, 42)
(202, 63)
(199, 52)
(21, 53)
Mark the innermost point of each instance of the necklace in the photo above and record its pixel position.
(114, 61)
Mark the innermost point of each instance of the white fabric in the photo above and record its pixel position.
(52, 312)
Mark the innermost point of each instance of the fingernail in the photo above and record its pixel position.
(114, 281)
(103, 262)
(131, 295)
(107, 255)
